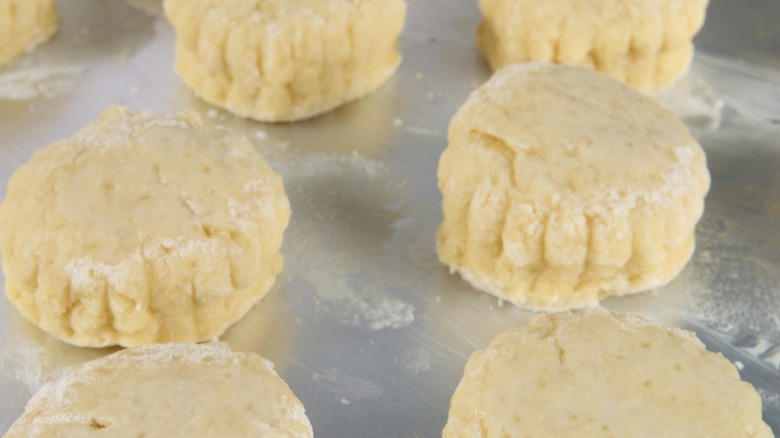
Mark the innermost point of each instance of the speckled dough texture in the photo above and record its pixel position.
(142, 228)
(643, 43)
(562, 186)
(167, 390)
(600, 374)
(285, 60)
(25, 24)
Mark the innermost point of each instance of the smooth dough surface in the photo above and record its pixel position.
(167, 390)
(285, 60)
(643, 43)
(24, 24)
(600, 374)
(142, 228)
(562, 186)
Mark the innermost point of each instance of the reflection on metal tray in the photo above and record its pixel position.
(366, 326)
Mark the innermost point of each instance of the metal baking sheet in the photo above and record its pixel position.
(369, 330)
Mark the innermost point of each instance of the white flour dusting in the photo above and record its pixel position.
(417, 130)
(34, 357)
(694, 102)
(357, 308)
(417, 360)
(21, 362)
(424, 132)
(29, 82)
(91, 32)
(378, 314)
(345, 206)
(349, 166)
(347, 387)
(732, 283)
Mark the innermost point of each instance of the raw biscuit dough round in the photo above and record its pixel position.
(285, 60)
(24, 24)
(562, 186)
(602, 375)
(170, 390)
(643, 43)
(142, 228)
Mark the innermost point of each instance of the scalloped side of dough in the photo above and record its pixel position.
(285, 60)
(645, 44)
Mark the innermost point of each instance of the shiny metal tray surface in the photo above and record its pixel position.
(369, 330)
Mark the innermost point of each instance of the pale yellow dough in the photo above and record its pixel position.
(600, 374)
(142, 228)
(167, 390)
(25, 24)
(562, 186)
(643, 43)
(285, 60)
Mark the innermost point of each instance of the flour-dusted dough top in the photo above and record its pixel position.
(142, 228)
(583, 138)
(142, 180)
(601, 374)
(167, 390)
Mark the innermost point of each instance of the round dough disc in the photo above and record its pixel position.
(285, 60)
(562, 186)
(602, 375)
(142, 228)
(24, 24)
(167, 390)
(643, 43)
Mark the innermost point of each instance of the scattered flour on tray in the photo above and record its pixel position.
(381, 313)
(21, 362)
(417, 130)
(345, 210)
(91, 33)
(417, 360)
(34, 357)
(693, 100)
(350, 166)
(349, 388)
(29, 82)
(731, 283)
(357, 308)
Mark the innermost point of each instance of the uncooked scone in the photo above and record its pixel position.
(24, 24)
(142, 228)
(167, 390)
(285, 60)
(562, 186)
(643, 43)
(600, 374)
